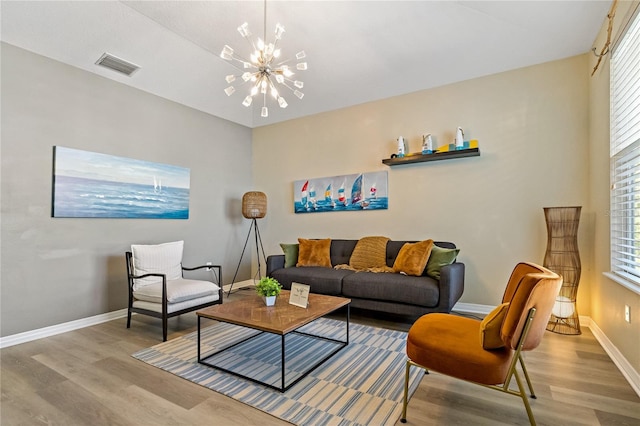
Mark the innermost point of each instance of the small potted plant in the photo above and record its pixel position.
(268, 288)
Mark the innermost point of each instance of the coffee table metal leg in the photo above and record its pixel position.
(199, 337)
(348, 317)
(283, 385)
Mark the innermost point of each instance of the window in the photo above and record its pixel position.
(625, 158)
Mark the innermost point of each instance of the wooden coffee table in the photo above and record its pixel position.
(281, 319)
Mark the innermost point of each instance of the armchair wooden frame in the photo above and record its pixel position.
(165, 315)
(512, 372)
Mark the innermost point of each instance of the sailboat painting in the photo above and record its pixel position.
(360, 191)
(93, 185)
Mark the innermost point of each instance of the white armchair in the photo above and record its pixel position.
(157, 286)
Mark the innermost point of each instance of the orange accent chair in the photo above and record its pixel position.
(486, 352)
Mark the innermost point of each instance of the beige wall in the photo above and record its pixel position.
(608, 297)
(532, 126)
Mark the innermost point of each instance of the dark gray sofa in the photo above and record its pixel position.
(387, 292)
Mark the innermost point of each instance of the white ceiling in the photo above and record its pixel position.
(358, 51)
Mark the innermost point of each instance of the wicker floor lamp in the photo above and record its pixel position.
(254, 207)
(563, 258)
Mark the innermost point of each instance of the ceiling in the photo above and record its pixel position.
(357, 51)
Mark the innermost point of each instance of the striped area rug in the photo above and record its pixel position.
(360, 385)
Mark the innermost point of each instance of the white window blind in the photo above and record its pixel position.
(625, 156)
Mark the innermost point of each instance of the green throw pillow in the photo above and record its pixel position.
(290, 254)
(440, 257)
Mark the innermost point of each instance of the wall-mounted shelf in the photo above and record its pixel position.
(421, 158)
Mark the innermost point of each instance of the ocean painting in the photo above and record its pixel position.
(89, 184)
(356, 192)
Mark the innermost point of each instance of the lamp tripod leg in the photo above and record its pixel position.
(256, 234)
(240, 261)
(258, 240)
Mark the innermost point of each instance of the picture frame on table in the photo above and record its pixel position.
(299, 295)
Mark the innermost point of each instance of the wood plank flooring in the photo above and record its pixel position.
(88, 377)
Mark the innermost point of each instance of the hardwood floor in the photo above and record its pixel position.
(88, 377)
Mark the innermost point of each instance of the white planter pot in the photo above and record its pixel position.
(269, 300)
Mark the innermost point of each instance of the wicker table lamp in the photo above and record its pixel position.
(254, 205)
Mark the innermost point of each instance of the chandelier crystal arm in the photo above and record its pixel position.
(253, 45)
(265, 110)
(246, 34)
(242, 83)
(285, 62)
(287, 86)
(302, 55)
(242, 61)
(299, 84)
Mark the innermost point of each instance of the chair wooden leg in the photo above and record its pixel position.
(526, 376)
(405, 401)
(164, 328)
(525, 400)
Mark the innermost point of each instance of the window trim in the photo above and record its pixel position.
(616, 272)
(620, 280)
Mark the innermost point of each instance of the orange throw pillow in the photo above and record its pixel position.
(314, 252)
(370, 252)
(490, 327)
(412, 258)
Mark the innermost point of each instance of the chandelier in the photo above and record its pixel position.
(264, 70)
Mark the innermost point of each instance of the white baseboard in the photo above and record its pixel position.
(584, 321)
(237, 285)
(473, 308)
(28, 336)
(618, 359)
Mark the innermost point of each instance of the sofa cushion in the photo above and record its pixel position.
(157, 259)
(422, 291)
(322, 280)
(413, 257)
(370, 252)
(393, 248)
(175, 307)
(341, 251)
(290, 254)
(178, 291)
(314, 252)
(440, 257)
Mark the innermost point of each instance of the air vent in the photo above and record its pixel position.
(114, 63)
